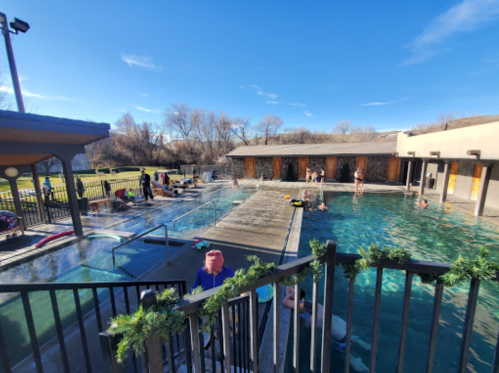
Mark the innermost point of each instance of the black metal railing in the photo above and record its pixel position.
(55, 205)
(194, 353)
(58, 323)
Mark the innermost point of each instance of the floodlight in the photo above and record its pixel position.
(19, 25)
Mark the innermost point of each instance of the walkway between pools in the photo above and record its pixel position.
(258, 227)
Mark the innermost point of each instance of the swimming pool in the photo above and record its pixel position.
(438, 233)
(91, 261)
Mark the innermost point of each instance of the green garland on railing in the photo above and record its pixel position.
(315, 267)
(463, 269)
(161, 319)
(373, 255)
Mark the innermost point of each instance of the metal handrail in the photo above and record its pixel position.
(167, 244)
(190, 212)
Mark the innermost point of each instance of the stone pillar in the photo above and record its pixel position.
(423, 177)
(484, 185)
(38, 191)
(445, 184)
(409, 173)
(67, 169)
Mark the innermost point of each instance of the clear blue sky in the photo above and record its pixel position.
(389, 64)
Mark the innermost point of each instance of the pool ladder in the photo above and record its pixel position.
(190, 212)
(167, 244)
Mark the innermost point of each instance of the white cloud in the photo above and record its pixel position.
(141, 61)
(259, 91)
(27, 93)
(154, 111)
(308, 114)
(386, 102)
(465, 16)
(272, 102)
(298, 104)
(144, 95)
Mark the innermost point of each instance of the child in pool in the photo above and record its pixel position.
(323, 206)
(338, 327)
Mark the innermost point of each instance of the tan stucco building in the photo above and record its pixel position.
(460, 161)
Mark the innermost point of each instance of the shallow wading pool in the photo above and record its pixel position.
(438, 233)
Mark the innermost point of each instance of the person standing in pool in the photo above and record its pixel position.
(362, 176)
(214, 272)
(338, 327)
(307, 174)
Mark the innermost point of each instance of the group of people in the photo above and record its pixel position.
(314, 177)
(214, 272)
(309, 204)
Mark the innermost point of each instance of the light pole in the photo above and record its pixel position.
(17, 25)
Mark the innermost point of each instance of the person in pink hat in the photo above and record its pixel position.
(214, 271)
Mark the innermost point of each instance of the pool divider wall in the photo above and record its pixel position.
(267, 347)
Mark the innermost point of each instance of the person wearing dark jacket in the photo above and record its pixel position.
(145, 181)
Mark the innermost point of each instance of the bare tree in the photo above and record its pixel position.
(364, 134)
(268, 127)
(341, 130)
(178, 120)
(223, 126)
(48, 163)
(241, 128)
(141, 142)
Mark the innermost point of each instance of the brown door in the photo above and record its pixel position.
(302, 167)
(331, 163)
(452, 178)
(250, 168)
(393, 169)
(475, 185)
(362, 164)
(277, 168)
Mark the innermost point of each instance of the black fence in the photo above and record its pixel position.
(56, 325)
(54, 204)
(320, 353)
(224, 171)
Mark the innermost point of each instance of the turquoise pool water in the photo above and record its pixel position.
(438, 233)
(91, 261)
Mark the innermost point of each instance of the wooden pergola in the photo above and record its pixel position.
(26, 139)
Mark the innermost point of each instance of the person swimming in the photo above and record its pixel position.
(423, 204)
(338, 326)
(323, 206)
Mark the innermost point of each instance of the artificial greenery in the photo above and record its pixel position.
(161, 319)
(480, 267)
(373, 255)
(315, 268)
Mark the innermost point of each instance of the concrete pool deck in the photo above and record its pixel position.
(17, 251)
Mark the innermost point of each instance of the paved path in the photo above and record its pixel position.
(257, 227)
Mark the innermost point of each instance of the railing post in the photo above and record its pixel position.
(167, 245)
(109, 344)
(328, 306)
(214, 214)
(468, 324)
(153, 344)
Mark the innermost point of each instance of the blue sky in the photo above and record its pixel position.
(389, 64)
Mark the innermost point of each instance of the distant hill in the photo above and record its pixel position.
(443, 125)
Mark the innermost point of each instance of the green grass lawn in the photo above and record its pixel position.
(55, 180)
